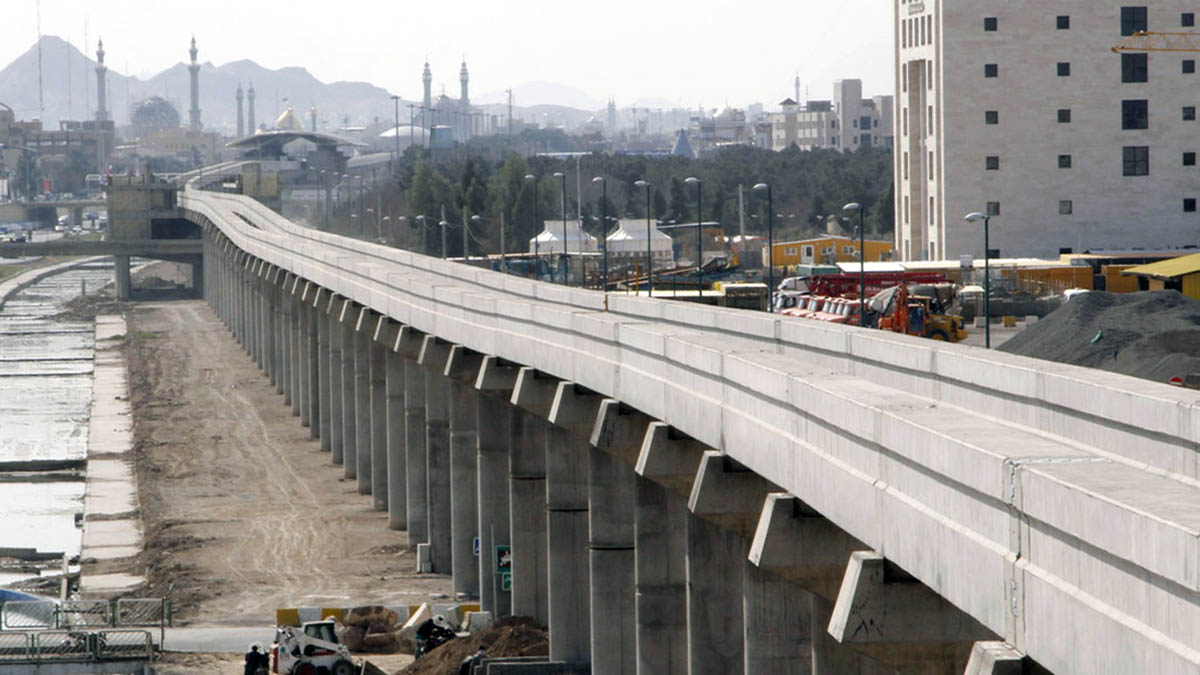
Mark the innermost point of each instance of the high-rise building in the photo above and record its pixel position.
(846, 123)
(194, 70)
(1020, 110)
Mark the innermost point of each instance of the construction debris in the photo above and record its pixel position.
(373, 629)
(1153, 334)
(512, 636)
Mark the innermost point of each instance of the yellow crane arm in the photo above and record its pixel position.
(1144, 41)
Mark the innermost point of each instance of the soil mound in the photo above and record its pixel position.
(1153, 334)
(512, 636)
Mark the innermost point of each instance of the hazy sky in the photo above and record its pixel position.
(687, 53)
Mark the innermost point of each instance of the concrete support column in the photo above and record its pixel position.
(437, 447)
(123, 279)
(462, 367)
(303, 374)
(416, 458)
(661, 564)
(611, 513)
(294, 337)
(715, 561)
(532, 398)
(285, 340)
(347, 319)
(567, 530)
(333, 326)
(397, 459)
(379, 424)
(313, 367)
(777, 628)
(362, 399)
(321, 319)
(271, 317)
(260, 318)
(494, 414)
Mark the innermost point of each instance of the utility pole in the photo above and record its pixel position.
(510, 107)
(465, 232)
(503, 260)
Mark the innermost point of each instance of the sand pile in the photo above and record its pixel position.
(513, 636)
(1154, 334)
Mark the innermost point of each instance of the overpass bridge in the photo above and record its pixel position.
(676, 488)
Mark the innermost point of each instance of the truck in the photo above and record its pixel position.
(311, 648)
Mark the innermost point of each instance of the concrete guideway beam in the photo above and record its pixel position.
(386, 333)
(432, 360)
(884, 613)
(462, 369)
(348, 319)
(364, 438)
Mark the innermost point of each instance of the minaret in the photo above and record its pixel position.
(194, 69)
(250, 128)
(427, 78)
(463, 98)
(241, 128)
(798, 88)
(101, 79)
(612, 117)
(313, 114)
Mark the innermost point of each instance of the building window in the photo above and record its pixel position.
(991, 117)
(992, 163)
(993, 208)
(1189, 113)
(1064, 115)
(1189, 205)
(1064, 69)
(1133, 20)
(1187, 19)
(1064, 161)
(1063, 22)
(1189, 159)
(1134, 68)
(791, 250)
(991, 70)
(1135, 114)
(989, 23)
(1135, 160)
(1189, 66)
(1065, 207)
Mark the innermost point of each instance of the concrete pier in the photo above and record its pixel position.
(416, 484)
(348, 319)
(567, 527)
(324, 400)
(715, 562)
(437, 447)
(363, 333)
(336, 413)
(661, 569)
(312, 367)
(379, 422)
(461, 369)
(397, 460)
(494, 415)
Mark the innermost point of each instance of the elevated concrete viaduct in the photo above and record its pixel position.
(683, 489)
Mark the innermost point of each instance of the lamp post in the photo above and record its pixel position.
(699, 236)
(972, 217)
(444, 225)
(566, 261)
(424, 227)
(604, 225)
(862, 260)
(649, 241)
(536, 252)
(396, 133)
(770, 247)
(467, 235)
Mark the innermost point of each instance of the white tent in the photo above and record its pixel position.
(550, 239)
(628, 243)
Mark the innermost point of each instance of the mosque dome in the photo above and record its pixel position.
(155, 112)
(287, 121)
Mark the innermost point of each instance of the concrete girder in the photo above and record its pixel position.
(794, 542)
(497, 377)
(728, 493)
(891, 617)
(462, 365)
(669, 458)
(409, 342)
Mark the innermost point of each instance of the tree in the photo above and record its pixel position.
(433, 196)
(679, 211)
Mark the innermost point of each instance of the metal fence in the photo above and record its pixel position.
(127, 613)
(124, 644)
(63, 645)
(75, 646)
(16, 647)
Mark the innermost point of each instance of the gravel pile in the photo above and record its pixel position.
(511, 636)
(1154, 334)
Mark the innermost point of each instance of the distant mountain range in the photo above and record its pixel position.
(68, 84)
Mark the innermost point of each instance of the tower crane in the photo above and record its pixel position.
(1147, 41)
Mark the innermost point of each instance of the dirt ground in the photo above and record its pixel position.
(177, 663)
(243, 513)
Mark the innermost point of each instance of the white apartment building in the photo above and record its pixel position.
(846, 123)
(1021, 110)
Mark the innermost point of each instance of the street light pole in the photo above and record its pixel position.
(396, 133)
(443, 223)
(987, 278)
(862, 261)
(604, 225)
(536, 252)
(770, 247)
(566, 260)
(699, 236)
(649, 241)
